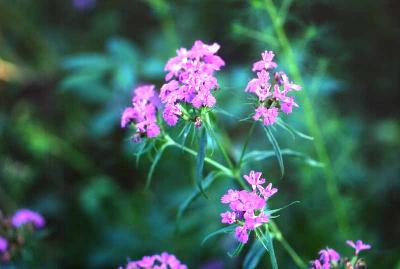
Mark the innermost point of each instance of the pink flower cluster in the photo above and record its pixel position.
(271, 92)
(327, 257)
(26, 216)
(143, 112)
(248, 207)
(190, 79)
(162, 261)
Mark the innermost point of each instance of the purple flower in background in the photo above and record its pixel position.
(24, 216)
(358, 245)
(143, 112)
(190, 80)
(84, 4)
(327, 257)
(162, 261)
(247, 206)
(3, 244)
(271, 93)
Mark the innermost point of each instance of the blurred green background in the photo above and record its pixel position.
(66, 73)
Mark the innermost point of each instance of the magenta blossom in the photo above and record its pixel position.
(25, 216)
(272, 94)
(3, 244)
(190, 81)
(247, 207)
(162, 261)
(327, 259)
(358, 245)
(143, 112)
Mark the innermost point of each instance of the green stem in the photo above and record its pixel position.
(292, 253)
(311, 120)
(210, 161)
(246, 143)
(218, 141)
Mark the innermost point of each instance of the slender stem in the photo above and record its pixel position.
(246, 143)
(220, 146)
(281, 239)
(311, 120)
(208, 160)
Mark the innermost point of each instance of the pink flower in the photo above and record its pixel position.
(268, 191)
(328, 258)
(266, 62)
(254, 179)
(247, 206)
(190, 80)
(329, 255)
(271, 102)
(143, 112)
(358, 245)
(228, 217)
(162, 261)
(24, 216)
(3, 244)
(242, 234)
(230, 196)
(268, 115)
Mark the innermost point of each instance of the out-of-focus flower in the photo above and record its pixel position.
(272, 94)
(358, 245)
(3, 244)
(327, 259)
(162, 261)
(25, 216)
(248, 208)
(190, 80)
(143, 112)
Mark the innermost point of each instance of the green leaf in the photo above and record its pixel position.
(254, 255)
(270, 245)
(237, 250)
(201, 154)
(269, 212)
(292, 130)
(258, 155)
(266, 240)
(276, 148)
(225, 230)
(154, 164)
(206, 183)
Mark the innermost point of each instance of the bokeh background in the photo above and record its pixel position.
(66, 73)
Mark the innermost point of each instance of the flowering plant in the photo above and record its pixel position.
(187, 98)
(15, 231)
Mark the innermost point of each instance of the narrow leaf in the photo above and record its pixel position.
(258, 155)
(254, 255)
(206, 183)
(237, 250)
(270, 246)
(154, 164)
(269, 212)
(201, 154)
(276, 148)
(292, 130)
(224, 230)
